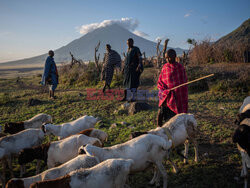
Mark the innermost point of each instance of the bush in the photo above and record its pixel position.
(206, 52)
(78, 75)
(85, 75)
(232, 78)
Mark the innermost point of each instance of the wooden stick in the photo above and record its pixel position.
(191, 81)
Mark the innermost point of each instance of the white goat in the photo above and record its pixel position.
(35, 122)
(67, 129)
(57, 152)
(111, 173)
(244, 104)
(12, 144)
(181, 129)
(81, 161)
(144, 150)
(95, 133)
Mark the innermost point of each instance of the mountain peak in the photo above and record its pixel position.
(83, 48)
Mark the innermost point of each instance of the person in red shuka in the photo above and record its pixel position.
(175, 101)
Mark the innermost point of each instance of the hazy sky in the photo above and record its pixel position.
(32, 27)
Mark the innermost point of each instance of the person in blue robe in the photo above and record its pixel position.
(50, 74)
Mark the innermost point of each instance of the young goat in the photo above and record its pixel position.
(12, 144)
(67, 129)
(35, 122)
(57, 152)
(95, 133)
(144, 150)
(111, 173)
(81, 161)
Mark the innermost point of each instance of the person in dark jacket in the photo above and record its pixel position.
(133, 68)
(50, 74)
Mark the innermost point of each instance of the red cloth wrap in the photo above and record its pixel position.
(171, 76)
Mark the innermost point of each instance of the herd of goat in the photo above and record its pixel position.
(78, 158)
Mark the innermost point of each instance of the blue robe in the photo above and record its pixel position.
(50, 75)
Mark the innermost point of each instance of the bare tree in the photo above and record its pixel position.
(74, 61)
(97, 57)
(158, 53)
(161, 54)
(165, 48)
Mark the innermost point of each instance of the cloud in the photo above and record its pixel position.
(4, 34)
(188, 14)
(140, 33)
(128, 23)
(158, 38)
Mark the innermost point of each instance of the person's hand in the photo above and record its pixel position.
(137, 69)
(41, 83)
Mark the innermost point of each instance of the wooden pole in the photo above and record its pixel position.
(188, 83)
(191, 81)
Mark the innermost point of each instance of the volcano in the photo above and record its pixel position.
(83, 48)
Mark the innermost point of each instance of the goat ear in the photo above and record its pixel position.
(81, 150)
(43, 128)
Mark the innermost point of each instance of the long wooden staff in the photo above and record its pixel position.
(189, 82)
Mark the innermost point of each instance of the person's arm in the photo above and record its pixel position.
(140, 66)
(162, 86)
(47, 68)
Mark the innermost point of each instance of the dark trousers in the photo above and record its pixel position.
(164, 113)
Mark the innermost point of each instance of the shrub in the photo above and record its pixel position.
(206, 52)
(85, 75)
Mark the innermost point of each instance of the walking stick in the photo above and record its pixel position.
(189, 82)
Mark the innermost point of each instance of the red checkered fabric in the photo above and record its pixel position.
(171, 76)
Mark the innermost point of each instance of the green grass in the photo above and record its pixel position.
(219, 161)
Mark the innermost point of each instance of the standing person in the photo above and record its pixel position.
(132, 69)
(111, 60)
(175, 101)
(50, 74)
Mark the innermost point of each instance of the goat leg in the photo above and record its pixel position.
(196, 158)
(9, 161)
(3, 177)
(38, 165)
(22, 170)
(163, 173)
(175, 169)
(186, 151)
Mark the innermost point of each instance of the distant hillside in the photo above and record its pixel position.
(241, 35)
(83, 48)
